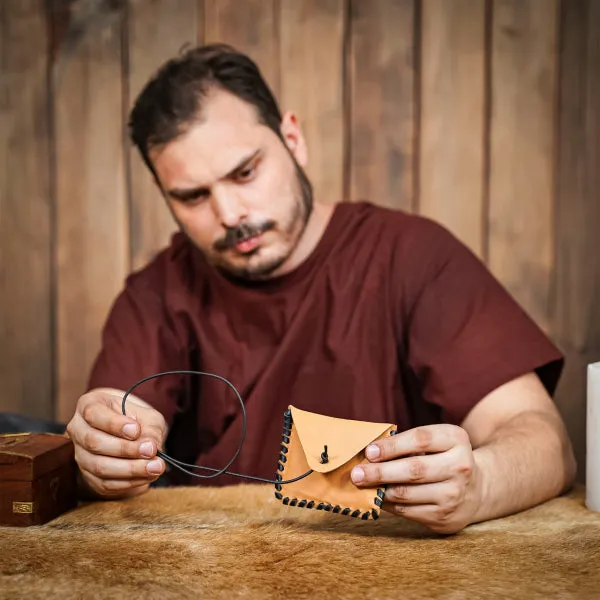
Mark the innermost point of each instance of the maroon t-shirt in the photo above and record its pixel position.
(390, 319)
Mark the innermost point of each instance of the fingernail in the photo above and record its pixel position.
(130, 430)
(357, 474)
(372, 451)
(154, 467)
(147, 450)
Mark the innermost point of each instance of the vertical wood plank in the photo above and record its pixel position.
(577, 325)
(452, 121)
(25, 212)
(251, 27)
(522, 147)
(92, 243)
(312, 83)
(381, 71)
(157, 31)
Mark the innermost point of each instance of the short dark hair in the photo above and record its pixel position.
(171, 101)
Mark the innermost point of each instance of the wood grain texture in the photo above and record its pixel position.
(25, 212)
(577, 324)
(522, 151)
(251, 27)
(92, 232)
(157, 31)
(381, 72)
(312, 36)
(451, 166)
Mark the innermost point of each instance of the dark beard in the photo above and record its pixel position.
(234, 235)
(241, 233)
(302, 210)
(306, 191)
(245, 231)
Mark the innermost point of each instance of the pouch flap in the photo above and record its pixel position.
(344, 438)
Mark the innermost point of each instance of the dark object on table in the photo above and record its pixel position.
(16, 423)
(38, 478)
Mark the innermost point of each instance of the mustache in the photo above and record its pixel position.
(244, 231)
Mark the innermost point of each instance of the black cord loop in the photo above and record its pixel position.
(216, 472)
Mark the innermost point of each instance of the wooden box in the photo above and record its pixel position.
(38, 478)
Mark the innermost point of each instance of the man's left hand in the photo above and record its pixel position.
(430, 473)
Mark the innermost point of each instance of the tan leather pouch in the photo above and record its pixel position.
(329, 487)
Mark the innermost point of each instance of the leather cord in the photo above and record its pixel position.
(215, 472)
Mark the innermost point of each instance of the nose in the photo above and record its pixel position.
(228, 207)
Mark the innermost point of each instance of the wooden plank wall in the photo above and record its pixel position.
(482, 114)
(91, 227)
(26, 212)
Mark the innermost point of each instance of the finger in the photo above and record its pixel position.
(446, 493)
(154, 432)
(98, 411)
(430, 468)
(108, 467)
(438, 519)
(99, 442)
(430, 438)
(422, 513)
(115, 487)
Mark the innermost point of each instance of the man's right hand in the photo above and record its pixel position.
(116, 454)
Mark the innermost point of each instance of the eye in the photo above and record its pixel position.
(246, 173)
(194, 198)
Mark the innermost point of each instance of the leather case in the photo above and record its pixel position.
(331, 447)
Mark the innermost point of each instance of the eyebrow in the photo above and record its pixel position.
(190, 193)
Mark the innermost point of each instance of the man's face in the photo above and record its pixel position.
(235, 189)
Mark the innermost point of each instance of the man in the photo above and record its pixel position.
(345, 309)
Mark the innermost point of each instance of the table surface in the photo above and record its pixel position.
(241, 542)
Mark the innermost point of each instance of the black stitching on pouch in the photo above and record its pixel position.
(304, 503)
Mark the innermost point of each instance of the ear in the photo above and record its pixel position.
(294, 138)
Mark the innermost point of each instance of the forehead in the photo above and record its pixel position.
(227, 130)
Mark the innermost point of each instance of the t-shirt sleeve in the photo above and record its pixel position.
(466, 334)
(140, 339)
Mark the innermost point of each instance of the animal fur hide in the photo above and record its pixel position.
(241, 542)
